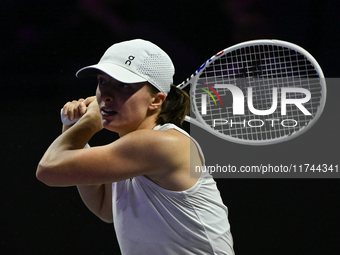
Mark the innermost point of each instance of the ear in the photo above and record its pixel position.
(157, 101)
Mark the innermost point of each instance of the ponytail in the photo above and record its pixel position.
(175, 107)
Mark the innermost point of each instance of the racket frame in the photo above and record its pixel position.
(198, 120)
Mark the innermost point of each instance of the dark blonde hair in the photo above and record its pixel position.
(175, 107)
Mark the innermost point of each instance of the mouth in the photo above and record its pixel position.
(105, 112)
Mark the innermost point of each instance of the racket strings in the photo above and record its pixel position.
(261, 67)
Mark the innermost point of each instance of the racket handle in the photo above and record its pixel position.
(65, 120)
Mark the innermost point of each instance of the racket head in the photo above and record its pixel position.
(260, 65)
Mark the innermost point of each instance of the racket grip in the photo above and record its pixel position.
(65, 120)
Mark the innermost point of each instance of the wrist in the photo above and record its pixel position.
(91, 121)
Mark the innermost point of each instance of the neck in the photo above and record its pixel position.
(148, 123)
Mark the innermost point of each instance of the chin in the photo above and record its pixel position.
(110, 126)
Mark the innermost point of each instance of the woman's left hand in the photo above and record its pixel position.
(93, 111)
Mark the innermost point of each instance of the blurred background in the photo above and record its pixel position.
(43, 44)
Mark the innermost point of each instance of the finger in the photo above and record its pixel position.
(71, 110)
(89, 100)
(82, 108)
(77, 106)
(65, 108)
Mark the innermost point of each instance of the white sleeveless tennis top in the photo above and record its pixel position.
(151, 220)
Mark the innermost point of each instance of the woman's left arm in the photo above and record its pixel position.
(73, 138)
(141, 152)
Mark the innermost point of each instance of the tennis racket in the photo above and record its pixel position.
(257, 92)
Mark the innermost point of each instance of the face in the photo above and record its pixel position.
(124, 107)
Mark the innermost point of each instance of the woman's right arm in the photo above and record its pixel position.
(98, 199)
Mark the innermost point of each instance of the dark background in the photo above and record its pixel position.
(43, 44)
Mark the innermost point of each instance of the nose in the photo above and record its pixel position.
(104, 94)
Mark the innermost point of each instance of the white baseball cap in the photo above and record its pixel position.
(135, 61)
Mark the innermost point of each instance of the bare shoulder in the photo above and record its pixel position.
(158, 141)
(164, 156)
(172, 154)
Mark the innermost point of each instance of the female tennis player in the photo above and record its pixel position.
(145, 181)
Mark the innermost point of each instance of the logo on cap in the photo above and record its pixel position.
(128, 62)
